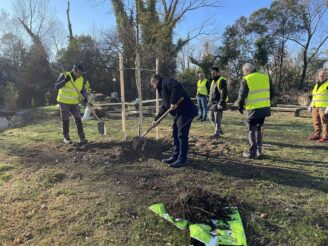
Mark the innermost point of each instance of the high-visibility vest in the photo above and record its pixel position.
(259, 91)
(320, 96)
(218, 85)
(67, 94)
(201, 87)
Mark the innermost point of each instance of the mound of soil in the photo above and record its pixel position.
(199, 206)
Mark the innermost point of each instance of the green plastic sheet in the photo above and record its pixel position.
(160, 210)
(229, 232)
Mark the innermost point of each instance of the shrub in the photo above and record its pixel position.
(9, 95)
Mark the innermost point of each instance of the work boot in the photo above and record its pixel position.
(248, 155)
(178, 163)
(323, 140)
(199, 118)
(204, 119)
(170, 160)
(67, 140)
(314, 138)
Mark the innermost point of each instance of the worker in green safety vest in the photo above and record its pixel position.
(254, 95)
(69, 99)
(203, 89)
(319, 109)
(218, 97)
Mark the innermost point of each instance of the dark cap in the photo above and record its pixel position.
(79, 67)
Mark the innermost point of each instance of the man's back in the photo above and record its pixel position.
(171, 91)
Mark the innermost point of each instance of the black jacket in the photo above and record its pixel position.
(171, 91)
(218, 96)
(254, 113)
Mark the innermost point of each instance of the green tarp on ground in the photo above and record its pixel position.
(161, 211)
(228, 232)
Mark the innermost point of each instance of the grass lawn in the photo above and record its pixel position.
(52, 194)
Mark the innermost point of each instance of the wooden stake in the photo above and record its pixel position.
(122, 96)
(138, 81)
(157, 99)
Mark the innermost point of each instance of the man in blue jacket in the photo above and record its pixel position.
(171, 91)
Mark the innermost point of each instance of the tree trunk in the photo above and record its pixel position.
(70, 37)
(304, 70)
(127, 36)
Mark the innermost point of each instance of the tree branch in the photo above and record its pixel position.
(193, 5)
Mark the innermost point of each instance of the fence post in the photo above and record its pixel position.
(122, 96)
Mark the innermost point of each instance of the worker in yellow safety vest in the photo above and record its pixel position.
(218, 97)
(203, 89)
(255, 94)
(70, 86)
(319, 108)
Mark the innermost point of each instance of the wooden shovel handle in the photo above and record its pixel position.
(161, 118)
(168, 111)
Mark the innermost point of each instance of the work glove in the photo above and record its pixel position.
(67, 79)
(219, 107)
(174, 106)
(241, 110)
(310, 109)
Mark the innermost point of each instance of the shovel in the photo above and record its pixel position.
(100, 125)
(139, 143)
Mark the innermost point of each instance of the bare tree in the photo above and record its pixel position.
(183, 57)
(174, 10)
(34, 16)
(158, 20)
(312, 34)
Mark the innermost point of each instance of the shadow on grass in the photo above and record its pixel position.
(250, 170)
(299, 162)
(295, 146)
(289, 125)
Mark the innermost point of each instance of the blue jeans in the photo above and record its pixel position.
(202, 106)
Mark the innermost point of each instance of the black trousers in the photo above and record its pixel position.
(254, 128)
(71, 109)
(181, 127)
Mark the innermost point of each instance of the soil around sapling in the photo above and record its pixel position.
(199, 206)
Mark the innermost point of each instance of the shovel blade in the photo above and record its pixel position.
(101, 128)
(139, 144)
